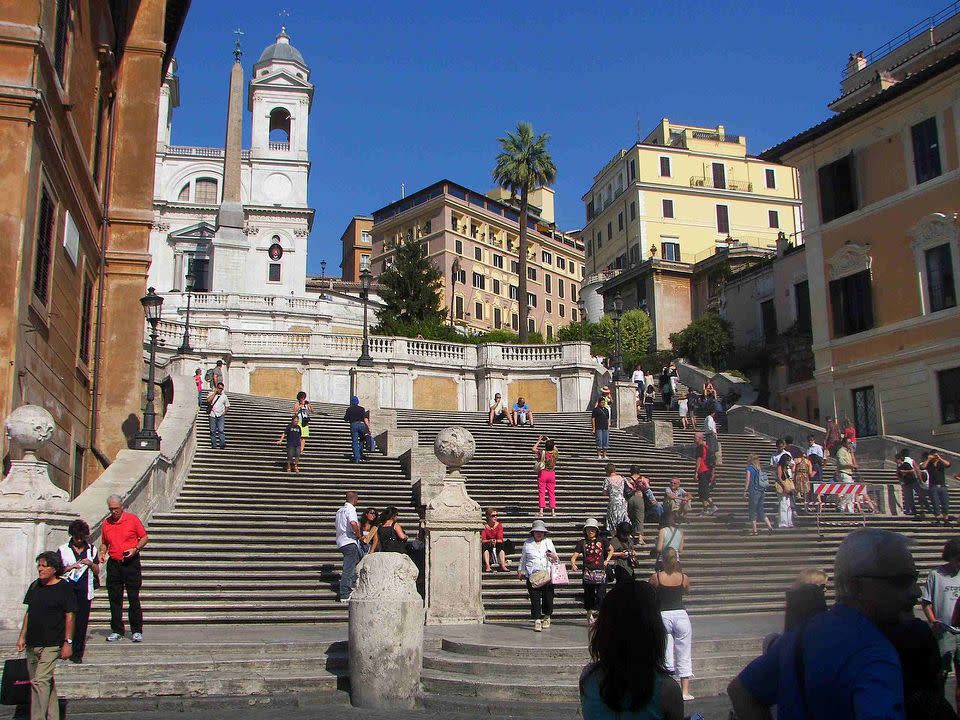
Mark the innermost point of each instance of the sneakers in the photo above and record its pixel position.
(114, 637)
(546, 623)
(688, 697)
(537, 625)
(137, 637)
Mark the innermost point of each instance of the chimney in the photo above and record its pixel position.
(231, 207)
(855, 63)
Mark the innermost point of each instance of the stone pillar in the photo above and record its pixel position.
(453, 522)
(365, 384)
(34, 513)
(386, 633)
(625, 398)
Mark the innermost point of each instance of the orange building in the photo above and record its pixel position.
(357, 244)
(79, 89)
(880, 183)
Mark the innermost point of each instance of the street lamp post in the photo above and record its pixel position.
(147, 438)
(617, 314)
(365, 360)
(582, 307)
(185, 345)
(323, 272)
(454, 271)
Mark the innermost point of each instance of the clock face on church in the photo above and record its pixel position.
(275, 251)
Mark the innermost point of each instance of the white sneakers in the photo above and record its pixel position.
(688, 697)
(137, 637)
(546, 622)
(537, 625)
(114, 637)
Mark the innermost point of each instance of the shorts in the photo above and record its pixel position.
(949, 646)
(293, 452)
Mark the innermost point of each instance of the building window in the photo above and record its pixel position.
(634, 254)
(496, 287)
(60, 38)
(599, 240)
(473, 231)
(531, 300)
(478, 254)
(479, 281)
(549, 305)
(801, 295)
(940, 281)
(531, 273)
(455, 224)
(458, 307)
(664, 167)
(184, 195)
(838, 192)
(41, 264)
(546, 258)
(515, 267)
(478, 311)
(620, 221)
(549, 332)
(851, 300)
(668, 208)
(926, 150)
(771, 177)
(573, 292)
(948, 388)
(531, 325)
(633, 170)
(610, 230)
(563, 311)
(515, 322)
(633, 211)
(458, 247)
(547, 282)
(670, 251)
(560, 288)
(590, 211)
(366, 239)
(462, 277)
(205, 191)
(561, 263)
(86, 321)
(588, 250)
(274, 272)
(620, 261)
(410, 236)
(498, 261)
(497, 318)
(768, 321)
(573, 315)
(774, 218)
(865, 412)
(719, 176)
(514, 292)
(723, 220)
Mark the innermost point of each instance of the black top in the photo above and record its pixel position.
(46, 609)
(601, 416)
(671, 598)
(293, 433)
(594, 553)
(937, 473)
(355, 413)
(389, 541)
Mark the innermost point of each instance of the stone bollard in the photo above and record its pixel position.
(34, 513)
(386, 633)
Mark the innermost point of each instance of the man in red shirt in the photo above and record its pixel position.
(123, 537)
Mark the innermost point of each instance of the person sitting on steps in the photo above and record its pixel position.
(499, 411)
(521, 414)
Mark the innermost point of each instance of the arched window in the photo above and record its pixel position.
(279, 125)
(184, 195)
(205, 192)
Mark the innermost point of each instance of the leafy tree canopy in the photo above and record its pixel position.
(707, 341)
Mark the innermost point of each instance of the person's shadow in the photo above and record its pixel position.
(130, 427)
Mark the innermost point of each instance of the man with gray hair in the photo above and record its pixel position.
(122, 537)
(839, 665)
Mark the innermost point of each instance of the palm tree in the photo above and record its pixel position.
(523, 164)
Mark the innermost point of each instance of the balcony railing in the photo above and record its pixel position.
(708, 182)
(283, 146)
(196, 151)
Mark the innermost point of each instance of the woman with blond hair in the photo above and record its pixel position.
(754, 491)
(671, 584)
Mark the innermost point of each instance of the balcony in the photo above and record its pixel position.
(708, 182)
(282, 146)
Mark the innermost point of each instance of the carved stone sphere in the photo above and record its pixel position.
(30, 426)
(454, 447)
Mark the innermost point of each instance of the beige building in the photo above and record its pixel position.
(356, 246)
(474, 240)
(881, 192)
(681, 193)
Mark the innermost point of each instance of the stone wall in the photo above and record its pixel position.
(275, 382)
(434, 393)
(541, 395)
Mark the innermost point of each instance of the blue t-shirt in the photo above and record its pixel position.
(593, 707)
(851, 671)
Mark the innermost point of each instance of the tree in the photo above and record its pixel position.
(410, 289)
(523, 164)
(636, 329)
(707, 341)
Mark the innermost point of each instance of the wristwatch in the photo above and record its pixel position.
(69, 642)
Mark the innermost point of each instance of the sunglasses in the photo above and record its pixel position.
(901, 580)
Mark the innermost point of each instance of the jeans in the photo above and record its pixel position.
(648, 409)
(358, 429)
(755, 509)
(940, 499)
(217, 439)
(911, 493)
(603, 438)
(541, 601)
(348, 578)
(125, 575)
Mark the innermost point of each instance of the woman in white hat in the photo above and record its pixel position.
(594, 551)
(538, 553)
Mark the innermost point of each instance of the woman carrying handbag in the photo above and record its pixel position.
(535, 559)
(594, 551)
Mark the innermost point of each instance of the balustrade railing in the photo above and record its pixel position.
(279, 145)
(708, 182)
(532, 353)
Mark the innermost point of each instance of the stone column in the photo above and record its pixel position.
(365, 384)
(625, 398)
(386, 633)
(453, 522)
(34, 513)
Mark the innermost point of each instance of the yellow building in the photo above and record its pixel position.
(680, 193)
(881, 193)
(474, 240)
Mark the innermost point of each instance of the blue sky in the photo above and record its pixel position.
(416, 91)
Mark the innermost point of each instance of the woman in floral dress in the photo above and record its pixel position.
(617, 503)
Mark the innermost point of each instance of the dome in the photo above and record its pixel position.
(281, 51)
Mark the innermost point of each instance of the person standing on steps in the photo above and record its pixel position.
(214, 375)
(669, 537)
(198, 381)
(293, 434)
(814, 451)
(600, 422)
(122, 537)
(594, 550)
(706, 467)
(356, 417)
(614, 487)
(648, 404)
(46, 633)
(831, 439)
(755, 490)
(219, 404)
(348, 543)
(623, 553)
(392, 537)
(301, 409)
(546, 453)
(846, 466)
(683, 409)
(636, 500)
(538, 552)
(638, 379)
(938, 599)
(936, 468)
(671, 583)
(81, 570)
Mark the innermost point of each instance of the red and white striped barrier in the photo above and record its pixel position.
(837, 488)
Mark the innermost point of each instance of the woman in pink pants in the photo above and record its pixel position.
(546, 453)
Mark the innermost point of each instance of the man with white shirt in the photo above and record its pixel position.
(780, 452)
(219, 403)
(348, 530)
(815, 453)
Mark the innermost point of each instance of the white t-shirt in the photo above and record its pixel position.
(637, 376)
(219, 405)
(775, 458)
(941, 590)
(534, 556)
(815, 450)
(346, 515)
(711, 425)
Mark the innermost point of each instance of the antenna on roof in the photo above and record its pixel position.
(639, 132)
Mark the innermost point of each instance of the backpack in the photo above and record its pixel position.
(208, 376)
(763, 480)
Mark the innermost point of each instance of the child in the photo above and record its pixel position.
(293, 434)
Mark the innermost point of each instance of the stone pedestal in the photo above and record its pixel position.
(659, 432)
(386, 633)
(365, 384)
(625, 399)
(34, 513)
(453, 522)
